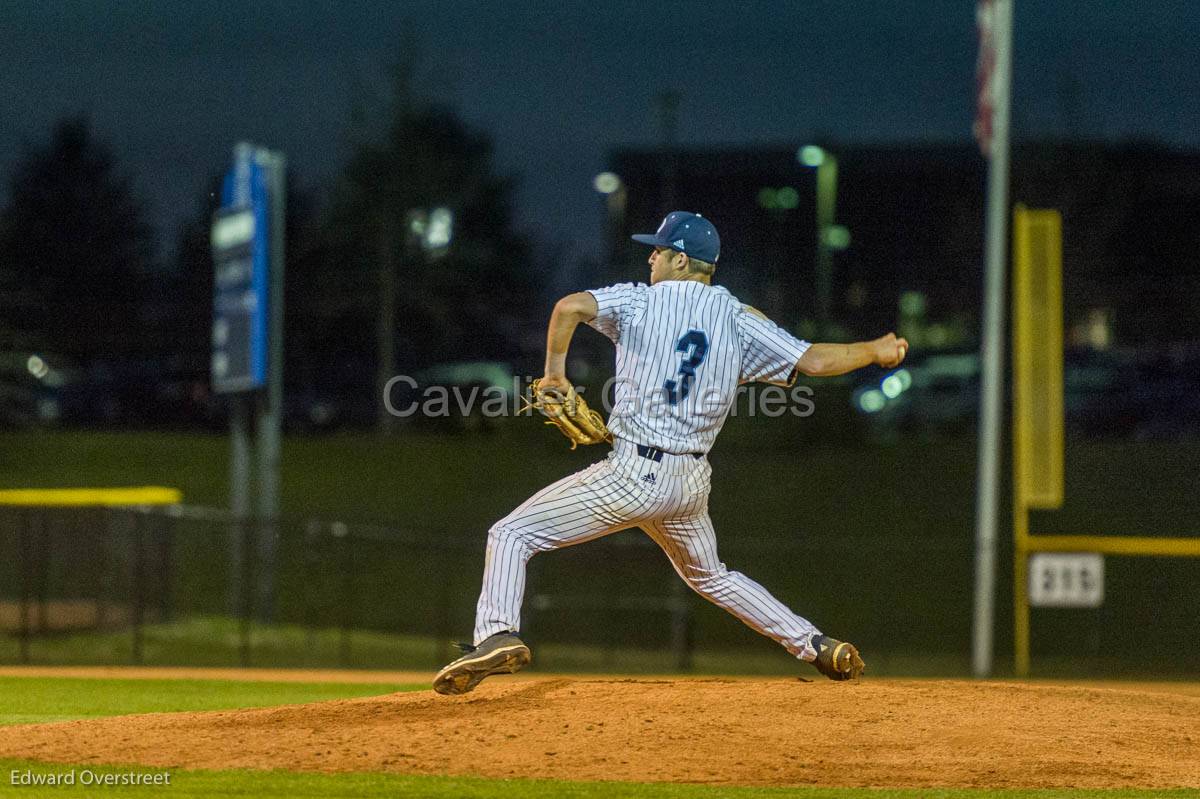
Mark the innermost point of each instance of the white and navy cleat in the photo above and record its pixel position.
(836, 659)
(502, 653)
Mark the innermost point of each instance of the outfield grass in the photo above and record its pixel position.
(29, 700)
(214, 641)
(283, 784)
(909, 486)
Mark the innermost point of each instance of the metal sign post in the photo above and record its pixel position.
(247, 355)
(270, 408)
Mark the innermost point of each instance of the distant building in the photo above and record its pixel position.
(915, 216)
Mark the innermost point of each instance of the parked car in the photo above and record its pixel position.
(36, 389)
(447, 396)
(939, 392)
(1098, 392)
(1166, 392)
(474, 391)
(141, 392)
(934, 393)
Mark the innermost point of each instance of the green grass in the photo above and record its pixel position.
(909, 487)
(269, 784)
(30, 700)
(215, 641)
(352, 476)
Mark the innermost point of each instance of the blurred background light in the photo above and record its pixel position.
(837, 237)
(37, 367)
(787, 198)
(811, 155)
(781, 199)
(912, 303)
(606, 182)
(872, 401)
(440, 229)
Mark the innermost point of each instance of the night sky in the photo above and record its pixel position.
(171, 85)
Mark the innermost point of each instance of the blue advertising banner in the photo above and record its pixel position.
(241, 284)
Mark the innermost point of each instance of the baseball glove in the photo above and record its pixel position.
(570, 414)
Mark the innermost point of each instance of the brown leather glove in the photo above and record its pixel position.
(570, 414)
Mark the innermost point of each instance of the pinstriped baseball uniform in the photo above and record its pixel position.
(682, 349)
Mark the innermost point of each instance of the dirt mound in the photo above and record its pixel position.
(760, 732)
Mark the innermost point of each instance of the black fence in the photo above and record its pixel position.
(193, 586)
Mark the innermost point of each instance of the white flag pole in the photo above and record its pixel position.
(992, 344)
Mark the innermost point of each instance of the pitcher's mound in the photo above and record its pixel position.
(761, 732)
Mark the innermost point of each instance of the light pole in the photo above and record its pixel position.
(830, 237)
(398, 240)
(615, 197)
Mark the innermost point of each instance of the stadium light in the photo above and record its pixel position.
(616, 196)
(607, 182)
(828, 239)
(811, 155)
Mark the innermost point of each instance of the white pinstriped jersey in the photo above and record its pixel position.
(683, 348)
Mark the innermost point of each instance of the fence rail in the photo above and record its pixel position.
(156, 585)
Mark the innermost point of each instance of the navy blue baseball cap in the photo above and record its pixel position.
(690, 234)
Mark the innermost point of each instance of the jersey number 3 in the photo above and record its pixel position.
(695, 344)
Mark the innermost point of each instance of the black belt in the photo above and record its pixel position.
(656, 454)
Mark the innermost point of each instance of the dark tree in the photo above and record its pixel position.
(396, 297)
(75, 249)
(188, 290)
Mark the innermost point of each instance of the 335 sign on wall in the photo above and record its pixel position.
(1066, 580)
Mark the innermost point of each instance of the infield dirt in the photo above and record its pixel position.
(720, 731)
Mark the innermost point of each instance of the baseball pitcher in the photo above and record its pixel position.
(683, 346)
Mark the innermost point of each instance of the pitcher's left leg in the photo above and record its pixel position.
(586, 505)
(691, 544)
(578, 508)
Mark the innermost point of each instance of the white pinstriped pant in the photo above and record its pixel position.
(613, 495)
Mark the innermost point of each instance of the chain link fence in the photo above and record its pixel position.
(184, 585)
